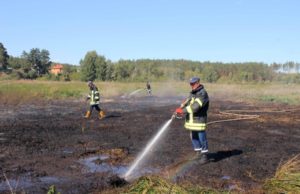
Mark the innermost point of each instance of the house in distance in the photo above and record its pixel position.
(56, 69)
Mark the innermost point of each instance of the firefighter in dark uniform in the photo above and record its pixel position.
(195, 110)
(148, 88)
(94, 97)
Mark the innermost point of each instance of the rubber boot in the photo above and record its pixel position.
(101, 114)
(197, 155)
(203, 159)
(87, 114)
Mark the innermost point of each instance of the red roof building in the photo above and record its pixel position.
(56, 69)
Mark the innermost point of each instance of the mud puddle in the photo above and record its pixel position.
(101, 164)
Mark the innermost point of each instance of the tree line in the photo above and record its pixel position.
(35, 64)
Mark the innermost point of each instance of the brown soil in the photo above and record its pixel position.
(43, 144)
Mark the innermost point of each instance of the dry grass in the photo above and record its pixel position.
(274, 93)
(157, 185)
(24, 90)
(286, 179)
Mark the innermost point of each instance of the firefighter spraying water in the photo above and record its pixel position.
(148, 90)
(195, 109)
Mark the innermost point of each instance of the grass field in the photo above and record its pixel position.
(24, 91)
(276, 93)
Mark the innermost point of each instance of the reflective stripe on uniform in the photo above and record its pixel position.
(195, 126)
(94, 97)
(190, 123)
(199, 101)
(189, 109)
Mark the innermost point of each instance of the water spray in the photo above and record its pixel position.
(136, 91)
(141, 156)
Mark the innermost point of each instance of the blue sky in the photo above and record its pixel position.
(211, 30)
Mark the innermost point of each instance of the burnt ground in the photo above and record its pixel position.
(50, 143)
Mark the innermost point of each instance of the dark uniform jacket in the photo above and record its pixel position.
(196, 110)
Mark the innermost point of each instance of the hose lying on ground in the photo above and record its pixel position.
(247, 116)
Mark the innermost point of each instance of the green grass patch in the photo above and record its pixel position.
(274, 93)
(279, 99)
(22, 91)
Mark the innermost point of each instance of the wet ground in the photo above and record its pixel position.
(50, 143)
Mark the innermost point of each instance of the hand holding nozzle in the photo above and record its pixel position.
(178, 113)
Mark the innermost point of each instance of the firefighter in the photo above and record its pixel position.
(94, 97)
(148, 88)
(195, 110)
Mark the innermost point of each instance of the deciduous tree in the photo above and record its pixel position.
(3, 57)
(39, 60)
(88, 66)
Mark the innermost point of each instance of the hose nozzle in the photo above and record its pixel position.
(173, 116)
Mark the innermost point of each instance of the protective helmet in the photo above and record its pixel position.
(194, 80)
(90, 83)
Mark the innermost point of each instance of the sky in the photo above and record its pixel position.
(201, 30)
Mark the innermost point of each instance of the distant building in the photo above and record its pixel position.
(56, 69)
